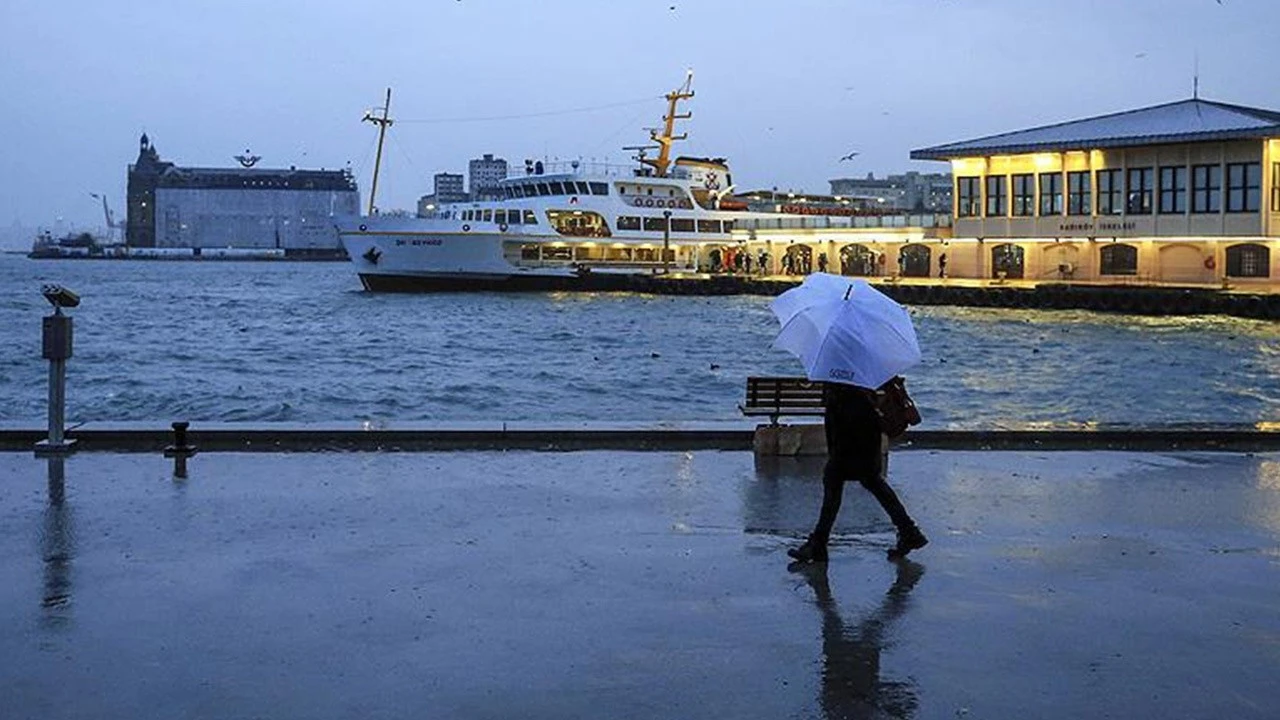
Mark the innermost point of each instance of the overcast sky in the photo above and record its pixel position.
(783, 89)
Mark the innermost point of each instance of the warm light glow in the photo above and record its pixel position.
(968, 166)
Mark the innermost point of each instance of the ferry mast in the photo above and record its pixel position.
(666, 136)
(383, 123)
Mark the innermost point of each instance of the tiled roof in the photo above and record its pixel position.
(1183, 121)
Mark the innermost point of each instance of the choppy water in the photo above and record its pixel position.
(300, 342)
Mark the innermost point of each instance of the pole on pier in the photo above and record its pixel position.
(56, 348)
(666, 242)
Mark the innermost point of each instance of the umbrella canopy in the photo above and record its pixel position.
(845, 331)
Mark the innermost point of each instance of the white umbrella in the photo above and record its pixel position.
(845, 331)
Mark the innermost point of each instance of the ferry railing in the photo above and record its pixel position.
(821, 222)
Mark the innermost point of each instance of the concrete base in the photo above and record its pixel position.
(790, 440)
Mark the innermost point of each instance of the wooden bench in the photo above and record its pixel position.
(777, 396)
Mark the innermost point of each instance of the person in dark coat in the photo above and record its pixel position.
(856, 450)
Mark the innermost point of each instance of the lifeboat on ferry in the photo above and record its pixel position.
(732, 204)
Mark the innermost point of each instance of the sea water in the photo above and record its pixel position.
(302, 342)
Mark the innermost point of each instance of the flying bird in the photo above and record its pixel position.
(850, 156)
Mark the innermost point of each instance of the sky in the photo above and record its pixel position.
(783, 90)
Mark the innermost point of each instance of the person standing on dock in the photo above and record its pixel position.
(942, 265)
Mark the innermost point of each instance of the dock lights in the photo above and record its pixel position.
(56, 348)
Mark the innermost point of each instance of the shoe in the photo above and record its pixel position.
(908, 540)
(812, 550)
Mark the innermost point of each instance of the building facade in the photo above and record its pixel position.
(447, 189)
(1181, 193)
(485, 173)
(909, 192)
(291, 210)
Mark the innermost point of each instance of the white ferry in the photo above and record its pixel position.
(564, 228)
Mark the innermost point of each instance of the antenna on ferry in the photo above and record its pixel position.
(666, 136)
(383, 123)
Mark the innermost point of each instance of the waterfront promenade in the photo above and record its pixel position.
(636, 585)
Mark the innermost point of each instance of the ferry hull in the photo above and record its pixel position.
(588, 282)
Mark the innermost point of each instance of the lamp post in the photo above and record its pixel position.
(666, 241)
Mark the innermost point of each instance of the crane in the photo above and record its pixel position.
(112, 225)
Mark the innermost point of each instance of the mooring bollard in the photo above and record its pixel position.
(180, 450)
(56, 348)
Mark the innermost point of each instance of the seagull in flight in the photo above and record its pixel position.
(850, 156)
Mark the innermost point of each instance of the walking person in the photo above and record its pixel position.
(857, 450)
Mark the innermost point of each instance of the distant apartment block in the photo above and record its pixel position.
(447, 189)
(912, 191)
(485, 174)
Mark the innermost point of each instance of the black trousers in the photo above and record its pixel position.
(856, 451)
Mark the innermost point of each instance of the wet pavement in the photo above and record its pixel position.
(636, 585)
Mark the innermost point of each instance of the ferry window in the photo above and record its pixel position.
(583, 189)
(646, 255)
(1244, 181)
(728, 226)
(1139, 189)
(506, 191)
(618, 253)
(466, 215)
(655, 224)
(530, 218)
(708, 226)
(1024, 189)
(682, 225)
(530, 252)
(500, 217)
(556, 253)
(518, 191)
(1248, 260)
(488, 216)
(622, 189)
(628, 222)
(1050, 194)
(1119, 260)
(648, 191)
(599, 188)
(557, 188)
(543, 189)
(970, 194)
(996, 185)
(1110, 193)
(1206, 188)
(1079, 193)
(671, 193)
(578, 223)
(1173, 190)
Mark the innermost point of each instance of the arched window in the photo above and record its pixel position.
(1248, 260)
(797, 260)
(914, 260)
(1007, 259)
(858, 260)
(1119, 260)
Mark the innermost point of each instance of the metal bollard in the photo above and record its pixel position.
(180, 450)
(56, 348)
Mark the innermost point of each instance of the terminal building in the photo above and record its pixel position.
(286, 211)
(1186, 193)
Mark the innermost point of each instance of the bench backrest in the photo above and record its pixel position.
(783, 396)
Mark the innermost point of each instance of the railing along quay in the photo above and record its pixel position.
(235, 437)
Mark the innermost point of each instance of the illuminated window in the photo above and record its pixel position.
(1118, 260)
(1173, 190)
(1244, 185)
(1275, 187)
(708, 226)
(1206, 189)
(969, 193)
(1050, 194)
(1079, 193)
(996, 185)
(1024, 195)
(1248, 260)
(1110, 193)
(530, 218)
(628, 222)
(1139, 191)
